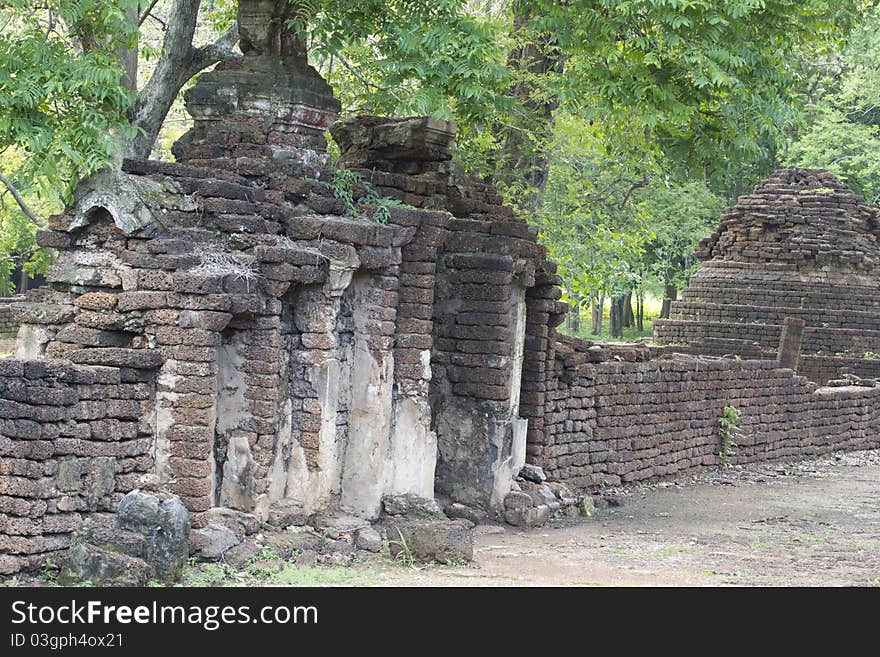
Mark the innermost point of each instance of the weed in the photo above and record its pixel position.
(405, 556)
(49, 570)
(342, 185)
(209, 574)
(266, 553)
(292, 575)
(458, 563)
(729, 432)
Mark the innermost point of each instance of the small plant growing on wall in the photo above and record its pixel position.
(342, 186)
(729, 432)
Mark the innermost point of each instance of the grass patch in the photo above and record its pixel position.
(280, 573)
(207, 574)
(629, 334)
(292, 575)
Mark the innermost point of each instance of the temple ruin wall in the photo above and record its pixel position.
(232, 329)
(615, 422)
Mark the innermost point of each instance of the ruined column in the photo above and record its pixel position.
(268, 104)
(790, 343)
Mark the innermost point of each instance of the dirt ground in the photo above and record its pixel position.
(811, 523)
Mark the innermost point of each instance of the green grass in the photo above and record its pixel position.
(322, 576)
(629, 334)
(280, 574)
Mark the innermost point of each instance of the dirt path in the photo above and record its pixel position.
(804, 524)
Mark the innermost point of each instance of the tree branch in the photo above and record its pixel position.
(351, 69)
(18, 199)
(146, 13)
(218, 51)
(180, 61)
(634, 185)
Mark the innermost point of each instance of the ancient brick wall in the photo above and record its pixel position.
(73, 440)
(613, 421)
(8, 324)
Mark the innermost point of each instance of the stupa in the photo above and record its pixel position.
(802, 245)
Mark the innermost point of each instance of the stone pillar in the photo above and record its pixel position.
(790, 343)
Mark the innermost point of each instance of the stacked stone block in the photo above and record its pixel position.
(73, 440)
(488, 307)
(8, 324)
(614, 422)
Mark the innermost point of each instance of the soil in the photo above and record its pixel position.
(811, 523)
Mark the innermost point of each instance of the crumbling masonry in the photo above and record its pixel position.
(247, 328)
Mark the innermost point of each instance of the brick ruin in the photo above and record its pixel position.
(803, 246)
(248, 329)
(8, 324)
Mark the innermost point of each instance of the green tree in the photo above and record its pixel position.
(842, 131)
(698, 78)
(705, 72)
(589, 218)
(679, 215)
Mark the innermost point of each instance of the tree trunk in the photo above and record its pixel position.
(23, 280)
(129, 56)
(640, 311)
(628, 317)
(616, 318)
(524, 147)
(180, 61)
(670, 293)
(574, 314)
(573, 318)
(598, 310)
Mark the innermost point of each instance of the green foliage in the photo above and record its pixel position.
(842, 132)
(729, 432)
(586, 217)
(341, 186)
(207, 574)
(629, 333)
(662, 109)
(404, 556)
(679, 215)
(62, 110)
(62, 103)
(409, 57)
(844, 147)
(356, 193)
(18, 233)
(708, 72)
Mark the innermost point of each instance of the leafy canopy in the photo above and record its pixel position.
(62, 103)
(842, 131)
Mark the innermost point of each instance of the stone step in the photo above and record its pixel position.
(816, 340)
(855, 299)
(747, 314)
